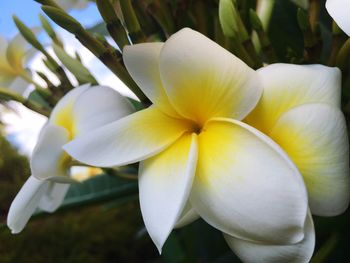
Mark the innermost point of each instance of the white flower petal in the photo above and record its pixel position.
(204, 80)
(315, 137)
(246, 186)
(49, 161)
(130, 139)
(98, 106)
(61, 115)
(53, 197)
(187, 217)
(19, 85)
(142, 62)
(165, 181)
(287, 86)
(261, 253)
(25, 203)
(339, 10)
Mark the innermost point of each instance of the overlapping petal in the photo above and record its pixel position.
(54, 196)
(203, 80)
(142, 62)
(261, 253)
(315, 138)
(165, 181)
(130, 139)
(98, 106)
(62, 113)
(48, 159)
(246, 186)
(287, 86)
(34, 193)
(339, 11)
(188, 216)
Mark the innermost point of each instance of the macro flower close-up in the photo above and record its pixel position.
(175, 131)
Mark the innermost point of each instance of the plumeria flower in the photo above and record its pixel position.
(79, 111)
(14, 55)
(339, 10)
(194, 149)
(300, 110)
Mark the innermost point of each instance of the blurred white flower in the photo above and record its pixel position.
(339, 10)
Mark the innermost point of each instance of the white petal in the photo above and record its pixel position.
(19, 85)
(165, 182)
(261, 253)
(315, 138)
(339, 10)
(49, 161)
(53, 197)
(25, 203)
(62, 113)
(203, 80)
(287, 86)
(98, 106)
(246, 186)
(142, 62)
(187, 217)
(131, 139)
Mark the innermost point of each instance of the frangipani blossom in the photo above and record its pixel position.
(339, 10)
(194, 149)
(79, 111)
(300, 110)
(14, 55)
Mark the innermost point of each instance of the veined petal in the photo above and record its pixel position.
(49, 161)
(193, 66)
(339, 10)
(130, 139)
(98, 106)
(261, 253)
(315, 138)
(62, 113)
(187, 217)
(25, 203)
(287, 86)
(246, 186)
(165, 181)
(53, 197)
(142, 62)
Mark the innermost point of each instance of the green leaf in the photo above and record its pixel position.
(81, 73)
(38, 99)
(98, 189)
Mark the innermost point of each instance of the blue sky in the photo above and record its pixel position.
(28, 10)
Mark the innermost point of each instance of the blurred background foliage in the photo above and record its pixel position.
(100, 220)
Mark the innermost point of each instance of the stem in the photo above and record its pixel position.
(10, 95)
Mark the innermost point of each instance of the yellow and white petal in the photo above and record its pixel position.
(203, 80)
(315, 138)
(25, 203)
(165, 182)
(246, 186)
(62, 113)
(49, 161)
(16, 51)
(131, 139)
(53, 197)
(287, 86)
(187, 217)
(261, 253)
(142, 62)
(98, 106)
(339, 10)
